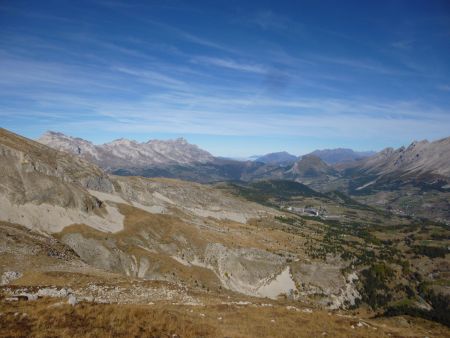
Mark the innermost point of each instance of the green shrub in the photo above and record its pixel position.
(430, 251)
(375, 290)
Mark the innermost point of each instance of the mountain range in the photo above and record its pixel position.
(365, 176)
(418, 158)
(123, 153)
(338, 155)
(127, 153)
(176, 158)
(329, 156)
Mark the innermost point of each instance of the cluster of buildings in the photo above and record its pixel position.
(311, 211)
(307, 211)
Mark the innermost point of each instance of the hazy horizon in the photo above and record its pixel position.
(234, 78)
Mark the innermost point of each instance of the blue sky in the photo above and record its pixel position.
(235, 77)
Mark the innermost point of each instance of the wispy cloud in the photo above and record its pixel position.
(202, 41)
(362, 64)
(192, 113)
(153, 77)
(150, 118)
(191, 37)
(190, 107)
(231, 64)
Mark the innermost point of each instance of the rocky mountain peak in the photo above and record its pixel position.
(181, 140)
(420, 157)
(69, 144)
(125, 153)
(417, 144)
(311, 166)
(121, 142)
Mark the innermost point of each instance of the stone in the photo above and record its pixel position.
(72, 300)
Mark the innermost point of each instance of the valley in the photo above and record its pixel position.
(271, 248)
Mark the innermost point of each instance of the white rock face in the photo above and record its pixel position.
(281, 284)
(53, 292)
(250, 271)
(129, 154)
(326, 279)
(348, 294)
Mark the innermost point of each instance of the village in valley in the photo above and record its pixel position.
(311, 211)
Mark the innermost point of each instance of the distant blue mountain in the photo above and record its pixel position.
(281, 157)
(333, 156)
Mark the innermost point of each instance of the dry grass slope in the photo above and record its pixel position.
(48, 318)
